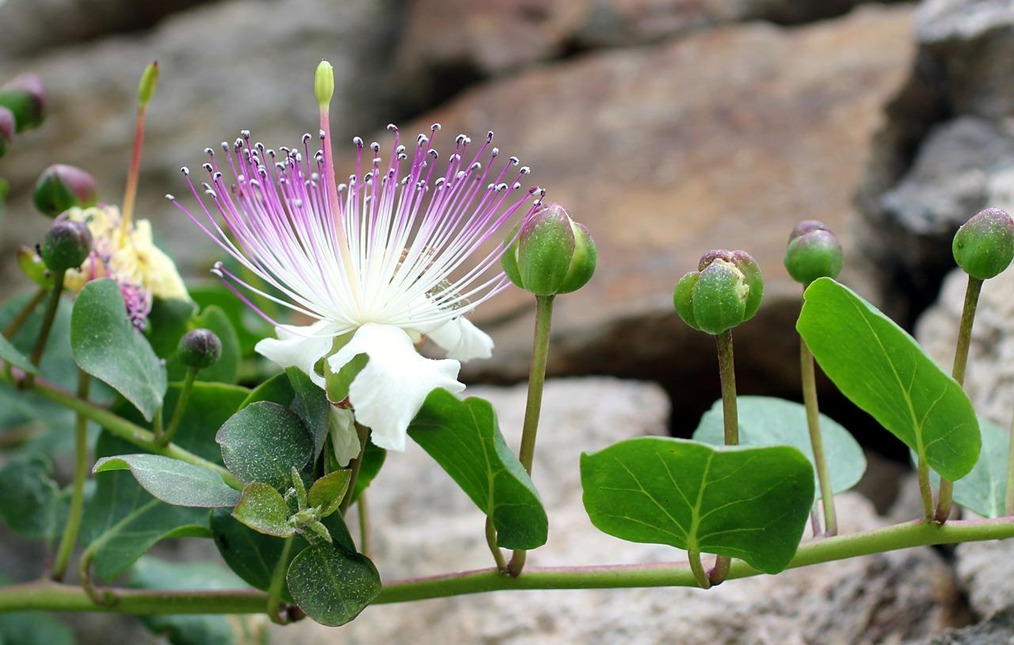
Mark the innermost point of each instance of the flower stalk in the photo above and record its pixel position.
(533, 406)
(47, 320)
(70, 532)
(816, 439)
(355, 465)
(26, 312)
(146, 90)
(278, 583)
(166, 437)
(730, 418)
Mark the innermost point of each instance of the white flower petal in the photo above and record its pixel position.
(389, 391)
(299, 348)
(462, 340)
(344, 438)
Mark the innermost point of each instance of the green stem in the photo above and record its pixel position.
(181, 406)
(533, 406)
(47, 321)
(501, 563)
(816, 439)
(926, 490)
(50, 596)
(364, 436)
(730, 417)
(278, 583)
(700, 575)
(946, 497)
(123, 429)
(25, 313)
(364, 525)
(70, 531)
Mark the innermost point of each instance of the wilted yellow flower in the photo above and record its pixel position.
(130, 258)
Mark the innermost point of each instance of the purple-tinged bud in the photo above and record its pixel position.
(61, 187)
(725, 292)
(32, 266)
(984, 245)
(66, 246)
(553, 254)
(7, 128)
(813, 252)
(199, 348)
(25, 96)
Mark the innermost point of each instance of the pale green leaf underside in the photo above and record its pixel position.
(173, 481)
(984, 490)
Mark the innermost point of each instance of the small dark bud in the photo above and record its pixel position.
(813, 252)
(7, 127)
(61, 187)
(200, 348)
(725, 292)
(25, 96)
(553, 254)
(66, 246)
(984, 245)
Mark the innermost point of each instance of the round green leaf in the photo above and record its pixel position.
(332, 585)
(263, 509)
(767, 421)
(263, 442)
(984, 490)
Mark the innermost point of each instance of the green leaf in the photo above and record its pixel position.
(122, 520)
(263, 443)
(173, 481)
(277, 389)
(155, 574)
(263, 509)
(331, 584)
(312, 406)
(338, 383)
(226, 370)
(34, 628)
(373, 460)
(742, 502)
(168, 320)
(767, 421)
(328, 491)
(464, 438)
(984, 490)
(32, 504)
(106, 345)
(881, 368)
(250, 328)
(10, 354)
(253, 555)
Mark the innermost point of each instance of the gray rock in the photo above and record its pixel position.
(891, 598)
(998, 629)
(985, 572)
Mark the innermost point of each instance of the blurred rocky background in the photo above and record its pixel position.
(669, 127)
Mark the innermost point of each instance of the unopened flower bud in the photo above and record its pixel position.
(25, 97)
(61, 187)
(323, 83)
(149, 79)
(725, 292)
(553, 254)
(7, 127)
(813, 252)
(199, 349)
(984, 245)
(66, 246)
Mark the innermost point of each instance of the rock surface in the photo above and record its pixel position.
(775, 130)
(892, 598)
(995, 630)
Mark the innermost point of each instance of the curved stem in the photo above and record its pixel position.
(697, 568)
(501, 563)
(122, 428)
(50, 596)
(25, 313)
(533, 406)
(278, 583)
(364, 436)
(816, 439)
(70, 531)
(946, 497)
(181, 406)
(47, 321)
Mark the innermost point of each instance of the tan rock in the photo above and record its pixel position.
(423, 525)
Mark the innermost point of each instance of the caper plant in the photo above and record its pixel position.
(263, 433)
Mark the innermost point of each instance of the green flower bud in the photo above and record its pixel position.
(149, 79)
(323, 83)
(813, 252)
(200, 348)
(984, 245)
(66, 246)
(25, 97)
(553, 254)
(61, 187)
(7, 127)
(725, 292)
(32, 266)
